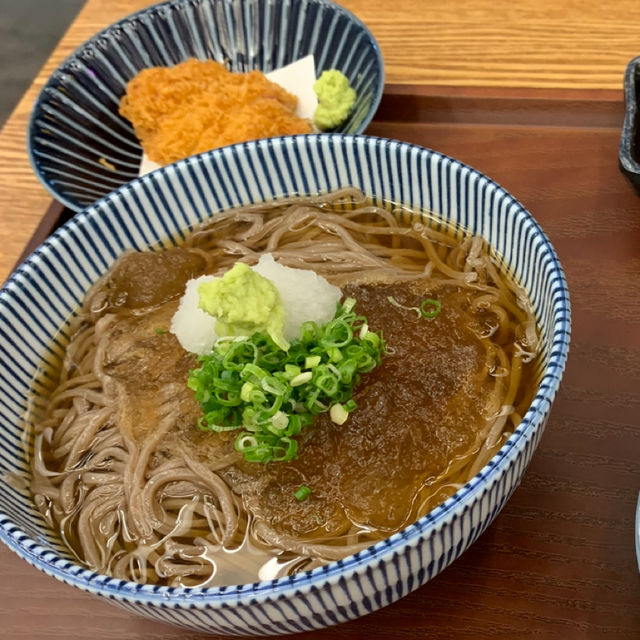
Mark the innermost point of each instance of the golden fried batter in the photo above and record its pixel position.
(200, 105)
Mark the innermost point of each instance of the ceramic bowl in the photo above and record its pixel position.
(628, 156)
(81, 148)
(155, 209)
(637, 532)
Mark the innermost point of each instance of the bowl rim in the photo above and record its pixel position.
(630, 166)
(636, 535)
(49, 562)
(166, 5)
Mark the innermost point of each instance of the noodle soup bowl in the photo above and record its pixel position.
(155, 211)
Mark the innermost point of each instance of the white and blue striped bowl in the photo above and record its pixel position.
(157, 209)
(75, 121)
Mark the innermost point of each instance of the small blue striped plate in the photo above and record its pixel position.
(81, 148)
(156, 210)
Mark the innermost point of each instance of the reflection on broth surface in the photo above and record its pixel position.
(137, 491)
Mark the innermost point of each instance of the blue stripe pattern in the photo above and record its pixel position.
(75, 122)
(159, 208)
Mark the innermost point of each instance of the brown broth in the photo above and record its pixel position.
(423, 415)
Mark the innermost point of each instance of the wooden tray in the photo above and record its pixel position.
(559, 561)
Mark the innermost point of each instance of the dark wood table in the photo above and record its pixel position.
(559, 561)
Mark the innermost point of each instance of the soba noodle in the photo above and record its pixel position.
(132, 496)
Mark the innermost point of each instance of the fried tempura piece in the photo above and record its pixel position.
(200, 105)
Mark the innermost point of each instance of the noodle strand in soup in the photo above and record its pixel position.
(136, 491)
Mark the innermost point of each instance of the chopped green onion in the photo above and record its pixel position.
(311, 361)
(372, 337)
(350, 405)
(432, 313)
(291, 371)
(338, 414)
(253, 371)
(309, 331)
(270, 395)
(274, 386)
(160, 332)
(423, 311)
(348, 305)
(334, 370)
(338, 334)
(302, 493)
(244, 442)
(328, 383)
(280, 421)
(301, 379)
(245, 392)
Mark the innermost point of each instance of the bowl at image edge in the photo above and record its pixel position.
(628, 158)
(81, 148)
(157, 208)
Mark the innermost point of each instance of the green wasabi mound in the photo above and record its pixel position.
(244, 303)
(335, 99)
